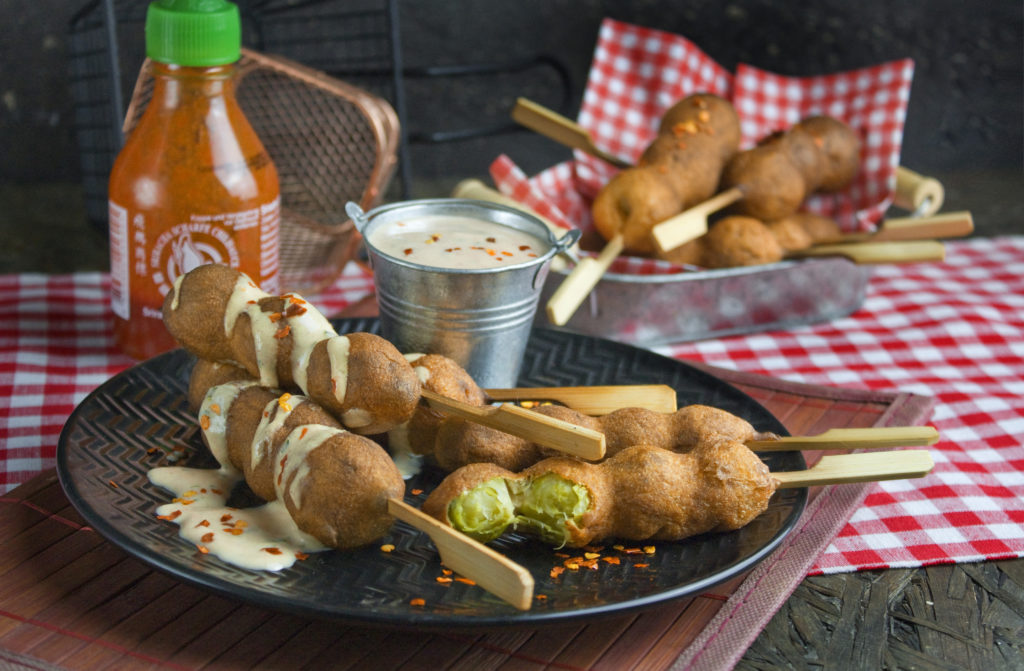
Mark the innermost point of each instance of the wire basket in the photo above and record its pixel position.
(331, 143)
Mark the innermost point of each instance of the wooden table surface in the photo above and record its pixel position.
(962, 616)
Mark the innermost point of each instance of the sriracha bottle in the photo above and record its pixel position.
(193, 183)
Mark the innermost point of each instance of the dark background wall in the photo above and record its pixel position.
(965, 116)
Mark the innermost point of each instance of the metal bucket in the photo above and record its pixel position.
(481, 318)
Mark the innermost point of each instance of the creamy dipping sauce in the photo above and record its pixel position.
(456, 242)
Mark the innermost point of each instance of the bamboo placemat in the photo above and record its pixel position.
(69, 599)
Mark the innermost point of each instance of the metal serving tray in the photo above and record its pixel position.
(650, 310)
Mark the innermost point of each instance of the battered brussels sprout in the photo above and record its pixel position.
(548, 503)
(483, 512)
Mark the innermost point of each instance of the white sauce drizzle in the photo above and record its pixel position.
(260, 538)
(292, 466)
(408, 462)
(337, 357)
(275, 413)
(307, 329)
(177, 291)
(215, 408)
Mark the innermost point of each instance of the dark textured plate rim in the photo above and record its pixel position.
(426, 619)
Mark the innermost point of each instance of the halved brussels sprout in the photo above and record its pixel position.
(546, 503)
(483, 512)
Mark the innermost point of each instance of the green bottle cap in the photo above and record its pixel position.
(193, 33)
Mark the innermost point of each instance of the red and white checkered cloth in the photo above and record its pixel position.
(638, 73)
(952, 330)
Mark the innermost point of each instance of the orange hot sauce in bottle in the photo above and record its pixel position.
(193, 183)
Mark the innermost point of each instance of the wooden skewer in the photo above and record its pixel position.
(491, 570)
(862, 467)
(947, 225)
(917, 193)
(909, 251)
(537, 428)
(595, 400)
(562, 304)
(564, 131)
(692, 223)
(852, 439)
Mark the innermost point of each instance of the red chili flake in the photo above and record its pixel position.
(276, 317)
(301, 556)
(217, 491)
(641, 565)
(408, 251)
(204, 422)
(417, 492)
(467, 581)
(234, 531)
(202, 549)
(296, 308)
(556, 571)
(204, 523)
(611, 560)
(225, 517)
(541, 597)
(532, 256)
(523, 248)
(283, 332)
(491, 252)
(633, 551)
(507, 253)
(112, 484)
(170, 516)
(151, 450)
(272, 550)
(562, 555)
(443, 580)
(207, 537)
(215, 408)
(417, 602)
(446, 571)
(302, 434)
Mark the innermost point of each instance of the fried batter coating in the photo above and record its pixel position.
(740, 241)
(443, 376)
(839, 148)
(819, 228)
(790, 235)
(334, 483)
(206, 374)
(641, 493)
(679, 168)
(460, 442)
(632, 203)
(772, 185)
(220, 315)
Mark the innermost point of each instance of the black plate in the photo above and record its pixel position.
(131, 422)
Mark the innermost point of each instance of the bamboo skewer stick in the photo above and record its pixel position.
(907, 251)
(595, 400)
(489, 569)
(564, 131)
(946, 225)
(852, 439)
(566, 299)
(862, 467)
(537, 428)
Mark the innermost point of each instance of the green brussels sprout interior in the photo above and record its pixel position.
(547, 503)
(483, 512)
(541, 506)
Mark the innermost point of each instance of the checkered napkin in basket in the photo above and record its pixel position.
(638, 73)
